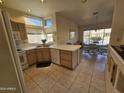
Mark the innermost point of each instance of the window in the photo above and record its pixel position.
(101, 36)
(49, 37)
(48, 22)
(33, 21)
(34, 36)
(35, 32)
(72, 35)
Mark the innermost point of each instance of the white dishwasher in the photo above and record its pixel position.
(55, 56)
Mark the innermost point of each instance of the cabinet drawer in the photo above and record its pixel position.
(66, 56)
(66, 63)
(66, 52)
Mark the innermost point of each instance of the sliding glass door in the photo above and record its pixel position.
(101, 36)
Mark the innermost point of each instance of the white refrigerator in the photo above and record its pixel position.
(11, 76)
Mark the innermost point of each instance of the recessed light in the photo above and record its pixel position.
(83, 1)
(1, 1)
(42, 1)
(29, 10)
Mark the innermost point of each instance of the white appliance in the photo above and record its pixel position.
(11, 76)
(21, 53)
(55, 56)
(23, 59)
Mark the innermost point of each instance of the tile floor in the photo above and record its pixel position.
(88, 77)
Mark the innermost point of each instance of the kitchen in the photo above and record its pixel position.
(49, 50)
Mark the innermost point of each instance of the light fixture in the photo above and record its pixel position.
(29, 10)
(83, 1)
(96, 19)
(42, 1)
(1, 2)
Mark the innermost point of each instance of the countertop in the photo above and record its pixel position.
(60, 47)
(118, 59)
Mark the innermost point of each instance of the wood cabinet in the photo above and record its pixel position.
(43, 54)
(112, 69)
(66, 58)
(69, 58)
(31, 56)
(21, 28)
(55, 57)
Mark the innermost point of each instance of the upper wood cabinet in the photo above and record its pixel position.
(43, 54)
(21, 28)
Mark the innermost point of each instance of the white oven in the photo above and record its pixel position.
(23, 59)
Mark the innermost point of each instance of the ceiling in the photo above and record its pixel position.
(81, 13)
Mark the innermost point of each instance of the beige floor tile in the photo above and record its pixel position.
(87, 71)
(99, 84)
(47, 84)
(79, 87)
(36, 89)
(30, 84)
(55, 76)
(32, 71)
(57, 88)
(95, 90)
(83, 77)
(88, 76)
(66, 81)
(44, 70)
(99, 76)
(26, 77)
(39, 77)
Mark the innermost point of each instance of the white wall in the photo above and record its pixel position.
(118, 23)
(64, 26)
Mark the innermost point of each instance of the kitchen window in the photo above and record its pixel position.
(35, 36)
(72, 35)
(35, 31)
(32, 21)
(49, 37)
(101, 36)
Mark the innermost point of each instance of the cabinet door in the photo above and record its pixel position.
(55, 57)
(46, 54)
(14, 26)
(31, 57)
(43, 54)
(22, 30)
(66, 58)
(39, 55)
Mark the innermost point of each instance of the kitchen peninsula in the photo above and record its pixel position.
(64, 55)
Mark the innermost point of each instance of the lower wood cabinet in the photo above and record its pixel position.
(69, 59)
(31, 56)
(112, 69)
(43, 54)
(66, 58)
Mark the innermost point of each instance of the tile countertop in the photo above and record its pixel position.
(118, 59)
(60, 47)
(66, 47)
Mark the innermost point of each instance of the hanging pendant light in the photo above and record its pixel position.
(42, 1)
(96, 19)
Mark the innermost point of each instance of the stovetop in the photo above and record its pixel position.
(120, 50)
